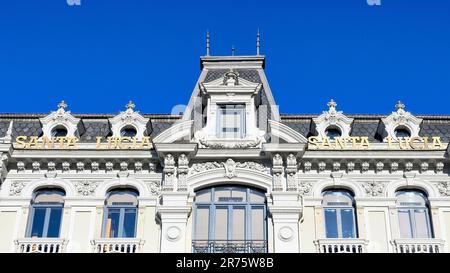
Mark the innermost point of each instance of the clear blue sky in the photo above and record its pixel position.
(101, 54)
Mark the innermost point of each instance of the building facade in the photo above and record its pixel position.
(231, 174)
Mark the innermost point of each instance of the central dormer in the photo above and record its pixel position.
(231, 112)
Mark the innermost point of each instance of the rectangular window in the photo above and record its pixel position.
(120, 223)
(231, 121)
(405, 224)
(221, 224)
(112, 223)
(129, 223)
(37, 230)
(422, 225)
(46, 222)
(202, 223)
(348, 224)
(54, 222)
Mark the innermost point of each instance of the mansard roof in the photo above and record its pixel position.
(98, 125)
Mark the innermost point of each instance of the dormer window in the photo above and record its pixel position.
(333, 132)
(231, 121)
(128, 131)
(401, 132)
(59, 131)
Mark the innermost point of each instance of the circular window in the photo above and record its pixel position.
(333, 132)
(402, 132)
(128, 131)
(59, 131)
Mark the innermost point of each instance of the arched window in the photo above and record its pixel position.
(120, 214)
(413, 214)
(230, 219)
(46, 213)
(339, 211)
(128, 131)
(402, 131)
(333, 132)
(59, 131)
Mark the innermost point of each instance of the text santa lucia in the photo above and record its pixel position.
(362, 143)
(24, 142)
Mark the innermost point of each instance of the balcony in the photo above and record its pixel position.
(229, 246)
(418, 245)
(117, 245)
(337, 245)
(40, 245)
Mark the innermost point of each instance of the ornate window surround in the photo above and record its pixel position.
(332, 118)
(401, 118)
(129, 117)
(59, 118)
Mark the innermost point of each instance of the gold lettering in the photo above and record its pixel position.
(365, 143)
(354, 142)
(390, 144)
(47, 143)
(146, 142)
(32, 144)
(403, 143)
(20, 140)
(437, 144)
(341, 142)
(98, 144)
(326, 142)
(413, 145)
(425, 142)
(71, 142)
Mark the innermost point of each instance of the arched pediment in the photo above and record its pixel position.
(179, 131)
(284, 132)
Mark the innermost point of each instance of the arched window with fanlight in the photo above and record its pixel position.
(413, 214)
(333, 132)
(46, 213)
(120, 214)
(230, 219)
(339, 213)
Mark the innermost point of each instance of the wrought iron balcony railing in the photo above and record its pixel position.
(417, 245)
(40, 245)
(347, 245)
(229, 246)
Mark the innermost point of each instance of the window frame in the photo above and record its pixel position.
(221, 108)
(412, 215)
(338, 211)
(122, 210)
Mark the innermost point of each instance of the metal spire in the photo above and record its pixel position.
(208, 44)
(258, 43)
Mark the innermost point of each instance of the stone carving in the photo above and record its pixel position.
(307, 166)
(291, 171)
(138, 166)
(322, 166)
(365, 166)
(36, 166)
(80, 167)
(444, 188)
(238, 145)
(151, 167)
(20, 166)
(169, 172)
(379, 166)
(230, 168)
(277, 171)
(408, 166)
(304, 188)
(95, 166)
(66, 166)
(336, 166)
(394, 167)
(109, 166)
(51, 166)
(123, 166)
(374, 188)
(333, 118)
(202, 167)
(16, 188)
(401, 118)
(350, 166)
(154, 187)
(439, 167)
(85, 187)
(424, 167)
(183, 169)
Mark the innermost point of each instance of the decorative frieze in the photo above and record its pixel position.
(379, 166)
(109, 166)
(80, 166)
(151, 167)
(20, 166)
(424, 167)
(291, 172)
(277, 171)
(307, 165)
(169, 172)
(95, 166)
(86, 187)
(365, 166)
(154, 187)
(123, 166)
(394, 167)
(439, 167)
(408, 166)
(336, 166)
(374, 188)
(51, 166)
(65, 166)
(206, 166)
(183, 169)
(322, 166)
(16, 188)
(444, 188)
(304, 188)
(138, 166)
(36, 166)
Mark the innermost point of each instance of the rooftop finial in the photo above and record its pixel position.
(233, 50)
(400, 105)
(208, 44)
(332, 104)
(62, 105)
(258, 42)
(130, 105)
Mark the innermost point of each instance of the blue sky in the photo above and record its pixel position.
(101, 54)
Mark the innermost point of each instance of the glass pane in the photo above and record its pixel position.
(239, 195)
(238, 223)
(37, 230)
(421, 221)
(221, 223)
(222, 195)
(405, 224)
(112, 223)
(202, 223)
(257, 197)
(204, 196)
(348, 227)
(257, 222)
(331, 223)
(129, 223)
(54, 222)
